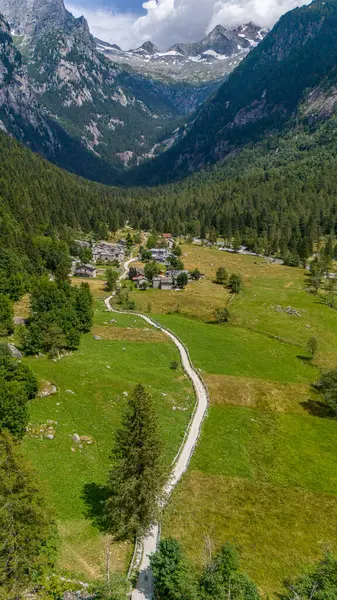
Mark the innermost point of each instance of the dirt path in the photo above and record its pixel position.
(144, 587)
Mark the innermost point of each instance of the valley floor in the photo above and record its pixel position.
(264, 474)
(93, 384)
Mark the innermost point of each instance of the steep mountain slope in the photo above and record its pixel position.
(19, 111)
(117, 115)
(291, 75)
(209, 60)
(22, 117)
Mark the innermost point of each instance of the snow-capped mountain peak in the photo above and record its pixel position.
(208, 60)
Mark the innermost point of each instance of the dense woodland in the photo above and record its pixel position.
(277, 197)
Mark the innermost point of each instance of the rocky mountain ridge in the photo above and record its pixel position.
(288, 80)
(20, 114)
(209, 60)
(115, 115)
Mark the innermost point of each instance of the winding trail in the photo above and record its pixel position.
(144, 587)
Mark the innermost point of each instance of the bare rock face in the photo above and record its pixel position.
(82, 92)
(20, 114)
(14, 352)
(31, 17)
(224, 42)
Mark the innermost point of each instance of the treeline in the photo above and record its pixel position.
(222, 578)
(278, 197)
(59, 315)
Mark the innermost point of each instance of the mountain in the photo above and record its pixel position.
(224, 42)
(290, 78)
(114, 115)
(22, 117)
(200, 63)
(19, 111)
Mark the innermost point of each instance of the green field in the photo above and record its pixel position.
(92, 386)
(264, 475)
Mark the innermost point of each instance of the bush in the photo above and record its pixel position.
(196, 275)
(327, 385)
(222, 315)
(221, 276)
(182, 280)
(18, 385)
(235, 283)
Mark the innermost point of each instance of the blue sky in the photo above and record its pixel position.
(134, 6)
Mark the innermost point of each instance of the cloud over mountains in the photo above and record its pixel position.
(170, 21)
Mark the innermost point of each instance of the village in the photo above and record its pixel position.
(160, 268)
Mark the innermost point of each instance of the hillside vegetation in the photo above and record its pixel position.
(277, 197)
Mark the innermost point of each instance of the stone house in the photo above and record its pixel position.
(86, 271)
(175, 274)
(106, 253)
(159, 254)
(163, 283)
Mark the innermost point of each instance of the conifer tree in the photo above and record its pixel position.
(6, 315)
(27, 534)
(221, 276)
(84, 307)
(138, 473)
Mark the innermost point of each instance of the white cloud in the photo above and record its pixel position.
(170, 21)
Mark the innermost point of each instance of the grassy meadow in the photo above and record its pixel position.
(93, 384)
(264, 474)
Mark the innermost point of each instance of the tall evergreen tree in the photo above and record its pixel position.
(138, 473)
(84, 307)
(27, 533)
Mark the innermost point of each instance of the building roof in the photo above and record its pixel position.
(87, 267)
(167, 236)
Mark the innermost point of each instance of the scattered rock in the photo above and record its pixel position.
(78, 596)
(70, 392)
(97, 338)
(19, 321)
(108, 367)
(82, 439)
(48, 389)
(289, 310)
(43, 431)
(86, 439)
(113, 321)
(164, 395)
(125, 394)
(14, 352)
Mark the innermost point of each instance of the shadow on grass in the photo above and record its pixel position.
(94, 497)
(316, 409)
(305, 359)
